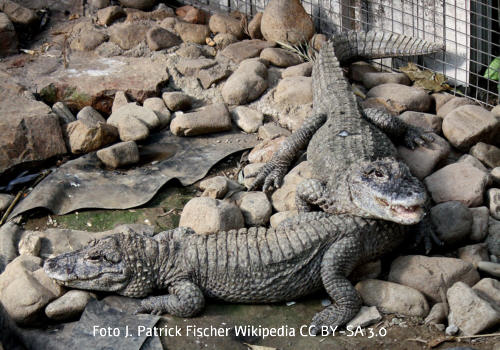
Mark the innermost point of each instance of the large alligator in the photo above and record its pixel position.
(313, 250)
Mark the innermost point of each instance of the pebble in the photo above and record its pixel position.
(280, 57)
(119, 155)
(247, 119)
(480, 218)
(272, 130)
(129, 127)
(401, 98)
(63, 112)
(469, 312)
(488, 154)
(299, 70)
(159, 38)
(86, 136)
(437, 314)
(190, 67)
(212, 75)
(90, 115)
(467, 158)
(428, 122)
(488, 289)
(452, 221)
(283, 199)
(493, 195)
(246, 84)
(222, 23)
(207, 215)
(263, 152)
(87, 39)
(177, 101)
(279, 217)
(209, 119)
(242, 50)
(128, 35)
(215, 187)
(366, 316)
(29, 244)
(393, 298)
(458, 182)
(254, 206)
(294, 91)
(192, 33)
(424, 273)
(452, 104)
(223, 40)
(470, 124)
(108, 15)
(68, 306)
(119, 100)
(491, 268)
(254, 26)
(191, 14)
(144, 115)
(157, 105)
(474, 253)
(451, 330)
(378, 78)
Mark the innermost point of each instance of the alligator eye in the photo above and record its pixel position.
(378, 173)
(93, 257)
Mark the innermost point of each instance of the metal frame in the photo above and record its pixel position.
(468, 28)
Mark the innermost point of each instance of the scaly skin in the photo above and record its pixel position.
(255, 265)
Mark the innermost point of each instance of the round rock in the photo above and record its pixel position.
(69, 306)
(452, 221)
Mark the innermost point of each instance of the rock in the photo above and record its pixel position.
(190, 67)
(215, 187)
(467, 158)
(468, 311)
(495, 174)
(207, 215)
(191, 14)
(488, 154)
(437, 314)
(192, 33)
(247, 119)
(278, 218)
(90, 116)
(169, 23)
(63, 112)
(480, 218)
(280, 57)
(263, 152)
(365, 317)
(393, 298)
(422, 160)
(246, 84)
(294, 91)
(254, 206)
(129, 127)
(138, 4)
(494, 202)
(8, 36)
(18, 14)
(369, 270)
(120, 100)
(272, 130)
(358, 70)
(428, 122)
(451, 330)
(254, 26)
(177, 101)
(440, 98)
(157, 105)
(128, 35)
(212, 75)
(108, 15)
(457, 182)
(87, 39)
(223, 40)
(488, 289)
(452, 104)
(68, 306)
(318, 40)
(491, 268)
(424, 273)
(452, 221)
(401, 98)
(283, 199)
(119, 155)
(286, 21)
(10, 234)
(159, 38)
(493, 239)
(378, 78)
(29, 245)
(245, 49)
(5, 200)
(212, 118)
(467, 125)
(99, 4)
(474, 253)
(144, 115)
(250, 171)
(30, 131)
(222, 23)
(84, 136)
(301, 70)
(157, 15)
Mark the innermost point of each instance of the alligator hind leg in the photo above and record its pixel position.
(338, 262)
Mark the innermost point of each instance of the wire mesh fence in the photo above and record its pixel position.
(469, 30)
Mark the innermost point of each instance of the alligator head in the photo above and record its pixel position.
(387, 190)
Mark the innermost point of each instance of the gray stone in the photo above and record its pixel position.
(495, 174)
(222, 23)
(393, 298)
(458, 182)
(294, 91)
(223, 40)
(423, 160)
(451, 104)
(378, 78)
(249, 120)
(68, 306)
(159, 38)
(191, 67)
(212, 118)
(85, 136)
(129, 127)
(29, 244)
(474, 253)
(254, 26)
(246, 84)
(494, 202)
(365, 317)
(157, 105)
(469, 312)
(207, 215)
(280, 57)
(286, 21)
(63, 112)
(215, 187)
(480, 218)
(401, 98)
(108, 15)
(452, 221)
(467, 158)
(491, 268)
(242, 50)
(488, 154)
(283, 199)
(299, 70)
(5, 200)
(493, 239)
(120, 100)
(138, 4)
(177, 101)
(128, 35)
(192, 33)
(18, 14)
(90, 116)
(87, 37)
(424, 273)
(451, 330)
(254, 206)
(143, 115)
(468, 125)
(278, 218)
(263, 152)
(437, 314)
(8, 36)
(212, 75)
(169, 24)
(428, 122)
(119, 155)
(271, 130)
(489, 289)
(440, 98)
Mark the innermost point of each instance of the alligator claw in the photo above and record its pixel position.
(427, 236)
(149, 306)
(270, 177)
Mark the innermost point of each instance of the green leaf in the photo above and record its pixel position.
(492, 72)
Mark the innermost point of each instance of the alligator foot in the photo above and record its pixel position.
(270, 177)
(415, 137)
(425, 235)
(326, 321)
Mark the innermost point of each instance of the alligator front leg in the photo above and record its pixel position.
(185, 300)
(337, 263)
(272, 174)
(408, 135)
(312, 193)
